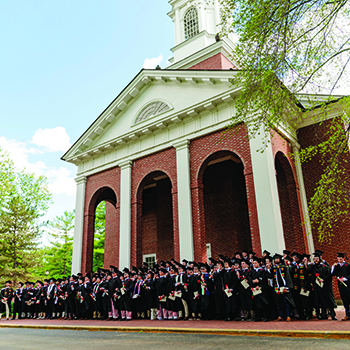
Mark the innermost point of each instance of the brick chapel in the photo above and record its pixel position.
(173, 185)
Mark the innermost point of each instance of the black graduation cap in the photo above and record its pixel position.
(306, 256)
(163, 270)
(126, 270)
(237, 253)
(38, 282)
(339, 255)
(277, 256)
(251, 252)
(237, 262)
(184, 261)
(266, 252)
(255, 258)
(27, 282)
(79, 274)
(8, 282)
(228, 260)
(172, 260)
(297, 255)
(52, 280)
(189, 268)
(175, 269)
(212, 260)
(162, 263)
(317, 254)
(245, 251)
(221, 257)
(287, 252)
(288, 258)
(318, 251)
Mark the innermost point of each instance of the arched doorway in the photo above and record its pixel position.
(226, 215)
(155, 236)
(105, 199)
(289, 204)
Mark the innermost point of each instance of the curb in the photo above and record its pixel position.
(232, 332)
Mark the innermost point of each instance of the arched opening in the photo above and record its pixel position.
(102, 242)
(289, 204)
(155, 229)
(225, 203)
(99, 236)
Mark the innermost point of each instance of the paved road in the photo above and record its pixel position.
(25, 339)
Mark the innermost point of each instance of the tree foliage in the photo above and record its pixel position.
(284, 49)
(55, 260)
(99, 236)
(24, 200)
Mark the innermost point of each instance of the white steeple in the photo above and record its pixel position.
(196, 23)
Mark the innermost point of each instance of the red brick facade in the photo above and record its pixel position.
(224, 209)
(218, 61)
(202, 152)
(100, 187)
(289, 195)
(143, 170)
(312, 170)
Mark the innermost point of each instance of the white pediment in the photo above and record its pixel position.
(187, 92)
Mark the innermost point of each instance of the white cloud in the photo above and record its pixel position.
(19, 152)
(52, 140)
(61, 182)
(151, 63)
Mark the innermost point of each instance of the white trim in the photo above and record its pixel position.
(79, 224)
(125, 214)
(303, 199)
(266, 194)
(184, 200)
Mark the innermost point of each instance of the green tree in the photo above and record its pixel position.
(61, 229)
(99, 236)
(27, 198)
(286, 48)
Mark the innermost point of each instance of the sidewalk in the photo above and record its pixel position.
(312, 328)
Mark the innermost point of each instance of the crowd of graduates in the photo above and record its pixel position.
(242, 288)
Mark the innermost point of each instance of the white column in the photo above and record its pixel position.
(303, 199)
(184, 200)
(125, 214)
(266, 194)
(79, 224)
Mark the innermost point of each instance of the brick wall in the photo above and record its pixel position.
(218, 61)
(157, 221)
(99, 187)
(226, 208)
(289, 194)
(142, 171)
(202, 151)
(312, 170)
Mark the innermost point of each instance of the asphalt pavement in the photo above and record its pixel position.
(25, 339)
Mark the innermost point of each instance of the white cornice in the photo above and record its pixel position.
(224, 46)
(321, 113)
(144, 78)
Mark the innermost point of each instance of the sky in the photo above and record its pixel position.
(62, 62)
